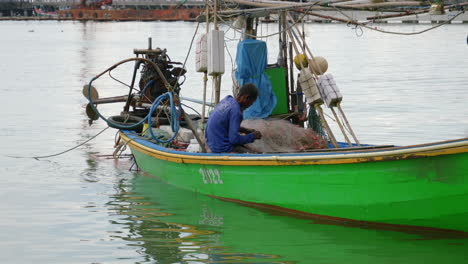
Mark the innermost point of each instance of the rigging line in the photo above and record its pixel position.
(333, 119)
(230, 56)
(191, 108)
(119, 149)
(115, 79)
(343, 122)
(396, 33)
(273, 34)
(230, 7)
(188, 52)
(63, 152)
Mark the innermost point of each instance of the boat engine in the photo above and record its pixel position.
(151, 84)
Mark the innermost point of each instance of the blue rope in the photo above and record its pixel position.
(174, 117)
(146, 86)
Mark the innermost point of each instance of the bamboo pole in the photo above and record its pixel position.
(205, 74)
(281, 4)
(291, 91)
(216, 87)
(409, 13)
(341, 127)
(285, 52)
(217, 77)
(215, 14)
(325, 124)
(378, 5)
(347, 124)
(194, 131)
(329, 17)
(205, 83)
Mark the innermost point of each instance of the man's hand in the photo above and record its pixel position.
(246, 130)
(257, 134)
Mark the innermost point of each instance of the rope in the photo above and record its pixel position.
(174, 120)
(193, 109)
(190, 49)
(120, 147)
(351, 21)
(115, 79)
(63, 152)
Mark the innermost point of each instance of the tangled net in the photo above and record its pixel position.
(282, 136)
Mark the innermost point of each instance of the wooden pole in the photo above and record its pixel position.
(205, 83)
(341, 127)
(293, 101)
(409, 13)
(282, 4)
(190, 125)
(217, 90)
(347, 124)
(217, 77)
(205, 74)
(325, 124)
(215, 12)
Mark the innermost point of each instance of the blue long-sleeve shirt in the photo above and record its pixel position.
(222, 129)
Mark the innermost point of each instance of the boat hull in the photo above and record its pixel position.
(426, 189)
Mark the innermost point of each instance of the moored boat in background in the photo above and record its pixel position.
(104, 10)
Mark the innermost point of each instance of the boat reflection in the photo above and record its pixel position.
(171, 225)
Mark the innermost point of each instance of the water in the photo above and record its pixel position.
(81, 207)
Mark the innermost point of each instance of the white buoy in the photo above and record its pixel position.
(319, 65)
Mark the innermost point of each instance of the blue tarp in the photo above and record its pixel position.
(251, 60)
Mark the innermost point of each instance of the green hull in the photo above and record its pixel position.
(230, 233)
(422, 188)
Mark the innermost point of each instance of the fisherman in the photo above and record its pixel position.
(223, 128)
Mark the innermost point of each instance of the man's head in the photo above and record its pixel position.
(247, 95)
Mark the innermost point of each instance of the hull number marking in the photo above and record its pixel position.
(210, 176)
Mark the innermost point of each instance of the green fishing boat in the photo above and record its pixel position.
(423, 186)
(416, 187)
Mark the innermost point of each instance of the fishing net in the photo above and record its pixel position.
(282, 136)
(315, 123)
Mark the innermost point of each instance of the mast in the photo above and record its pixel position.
(217, 77)
(205, 74)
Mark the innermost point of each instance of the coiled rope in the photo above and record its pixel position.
(174, 116)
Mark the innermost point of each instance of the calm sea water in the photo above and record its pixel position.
(81, 207)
